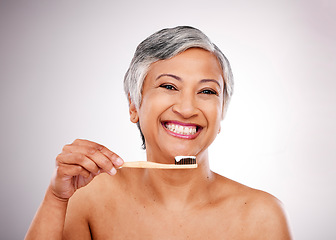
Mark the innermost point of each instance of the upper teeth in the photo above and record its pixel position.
(185, 130)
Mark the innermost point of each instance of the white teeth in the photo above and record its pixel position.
(185, 130)
(180, 130)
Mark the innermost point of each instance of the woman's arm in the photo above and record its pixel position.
(76, 166)
(49, 220)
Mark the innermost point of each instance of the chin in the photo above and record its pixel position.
(182, 150)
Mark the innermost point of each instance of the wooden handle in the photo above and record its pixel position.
(145, 164)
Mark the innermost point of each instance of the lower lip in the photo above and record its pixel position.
(181, 135)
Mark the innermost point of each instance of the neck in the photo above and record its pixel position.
(177, 189)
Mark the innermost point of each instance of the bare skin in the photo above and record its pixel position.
(136, 208)
(88, 200)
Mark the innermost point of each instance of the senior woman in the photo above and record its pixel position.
(178, 85)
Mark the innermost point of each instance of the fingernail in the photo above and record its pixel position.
(119, 161)
(113, 171)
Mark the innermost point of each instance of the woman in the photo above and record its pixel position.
(179, 85)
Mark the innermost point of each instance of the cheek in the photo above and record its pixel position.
(214, 107)
(151, 107)
(213, 112)
(216, 115)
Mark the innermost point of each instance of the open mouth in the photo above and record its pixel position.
(182, 130)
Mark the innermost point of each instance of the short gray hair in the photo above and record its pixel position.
(166, 44)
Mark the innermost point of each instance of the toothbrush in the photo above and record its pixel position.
(181, 162)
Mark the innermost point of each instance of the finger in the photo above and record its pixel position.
(92, 153)
(65, 171)
(78, 159)
(115, 158)
(84, 142)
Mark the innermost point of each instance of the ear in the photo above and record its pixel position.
(134, 117)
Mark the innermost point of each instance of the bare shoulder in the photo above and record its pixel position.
(102, 188)
(267, 216)
(261, 214)
(87, 203)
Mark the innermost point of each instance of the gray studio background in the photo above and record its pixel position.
(61, 69)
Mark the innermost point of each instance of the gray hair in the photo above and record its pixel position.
(166, 44)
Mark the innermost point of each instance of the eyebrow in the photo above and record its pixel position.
(179, 79)
(169, 75)
(210, 80)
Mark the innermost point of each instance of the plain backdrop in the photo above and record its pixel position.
(62, 65)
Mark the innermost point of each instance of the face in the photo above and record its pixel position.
(182, 103)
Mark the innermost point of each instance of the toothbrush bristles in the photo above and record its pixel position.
(185, 160)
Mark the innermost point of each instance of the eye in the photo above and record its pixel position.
(209, 91)
(168, 86)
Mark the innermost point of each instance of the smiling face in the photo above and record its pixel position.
(182, 104)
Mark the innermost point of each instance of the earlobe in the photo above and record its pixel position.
(134, 117)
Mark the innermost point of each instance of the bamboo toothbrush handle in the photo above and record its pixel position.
(145, 164)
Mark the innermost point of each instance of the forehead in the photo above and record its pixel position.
(193, 63)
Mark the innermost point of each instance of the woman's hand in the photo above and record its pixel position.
(78, 164)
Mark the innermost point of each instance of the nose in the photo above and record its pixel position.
(185, 105)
